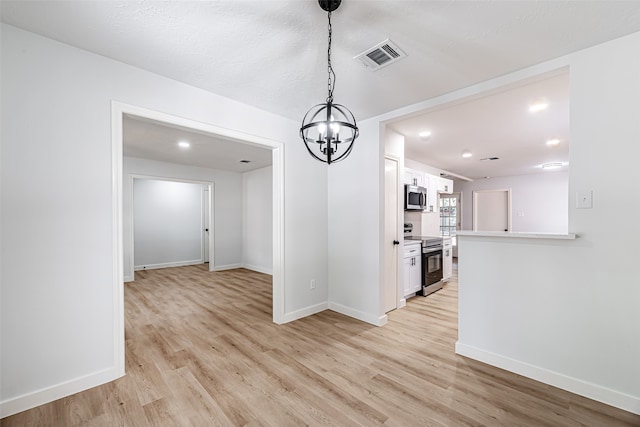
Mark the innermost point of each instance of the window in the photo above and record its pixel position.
(449, 215)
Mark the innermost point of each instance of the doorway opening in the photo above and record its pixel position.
(170, 223)
(118, 113)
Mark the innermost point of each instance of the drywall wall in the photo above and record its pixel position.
(355, 212)
(58, 332)
(539, 202)
(168, 223)
(566, 312)
(257, 220)
(227, 198)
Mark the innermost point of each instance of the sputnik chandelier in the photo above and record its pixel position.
(329, 130)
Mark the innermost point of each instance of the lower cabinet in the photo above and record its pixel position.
(412, 269)
(447, 259)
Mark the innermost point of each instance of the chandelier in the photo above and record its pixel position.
(329, 130)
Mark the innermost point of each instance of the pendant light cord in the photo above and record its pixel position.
(331, 81)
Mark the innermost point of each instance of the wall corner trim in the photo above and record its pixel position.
(574, 385)
(304, 312)
(356, 314)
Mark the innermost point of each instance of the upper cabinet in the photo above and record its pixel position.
(414, 177)
(445, 185)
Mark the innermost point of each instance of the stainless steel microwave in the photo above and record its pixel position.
(415, 198)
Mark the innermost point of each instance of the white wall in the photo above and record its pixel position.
(566, 312)
(227, 198)
(58, 329)
(356, 206)
(167, 223)
(257, 220)
(539, 202)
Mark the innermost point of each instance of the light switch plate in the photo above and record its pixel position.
(584, 199)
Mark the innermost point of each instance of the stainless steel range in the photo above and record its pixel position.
(431, 263)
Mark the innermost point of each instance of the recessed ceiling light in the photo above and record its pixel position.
(538, 106)
(184, 144)
(466, 154)
(553, 142)
(425, 135)
(552, 165)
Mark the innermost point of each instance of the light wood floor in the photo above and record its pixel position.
(201, 350)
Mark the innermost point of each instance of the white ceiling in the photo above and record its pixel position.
(272, 54)
(149, 139)
(495, 125)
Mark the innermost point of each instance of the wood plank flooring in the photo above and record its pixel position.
(201, 350)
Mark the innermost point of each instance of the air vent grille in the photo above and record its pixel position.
(381, 55)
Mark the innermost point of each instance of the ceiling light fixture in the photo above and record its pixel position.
(538, 106)
(425, 135)
(184, 144)
(466, 154)
(552, 165)
(553, 142)
(328, 120)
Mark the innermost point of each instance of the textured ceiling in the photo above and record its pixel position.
(272, 55)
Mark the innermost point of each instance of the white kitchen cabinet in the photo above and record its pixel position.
(412, 269)
(445, 185)
(414, 177)
(432, 193)
(447, 259)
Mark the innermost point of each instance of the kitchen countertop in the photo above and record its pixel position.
(418, 239)
(520, 235)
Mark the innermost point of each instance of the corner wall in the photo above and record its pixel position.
(566, 312)
(227, 227)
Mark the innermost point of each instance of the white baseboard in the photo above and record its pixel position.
(127, 279)
(592, 391)
(304, 312)
(167, 265)
(49, 394)
(365, 317)
(226, 267)
(403, 303)
(263, 270)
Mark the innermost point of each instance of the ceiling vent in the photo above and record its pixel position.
(491, 158)
(380, 55)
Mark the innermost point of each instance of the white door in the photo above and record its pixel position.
(492, 210)
(391, 227)
(205, 222)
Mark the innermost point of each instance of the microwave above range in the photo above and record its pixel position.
(415, 198)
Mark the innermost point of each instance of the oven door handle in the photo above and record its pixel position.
(431, 250)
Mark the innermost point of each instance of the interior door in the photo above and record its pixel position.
(391, 227)
(205, 222)
(492, 210)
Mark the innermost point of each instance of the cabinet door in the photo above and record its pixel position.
(416, 275)
(447, 263)
(432, 194)
(406, 284)
(414, 177)
(445, 185)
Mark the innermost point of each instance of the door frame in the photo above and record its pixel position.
(118, 111)
(400, 301)
(210, 186)
(475, 206)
